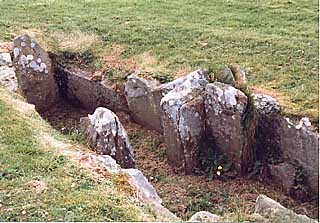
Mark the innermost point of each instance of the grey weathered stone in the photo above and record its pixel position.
(205, 216)
(283, 174)
(107, 136)
(76, 86)
(143, 98)
(238, 74)
(226, 76)
(145, 191)
(183, 121)
(5, 59)
(267, 113)
(34, 73)
(275, 212)
(8, 78)
(224, 109)
(299, 143)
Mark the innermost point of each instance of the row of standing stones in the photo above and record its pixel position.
(197, 118)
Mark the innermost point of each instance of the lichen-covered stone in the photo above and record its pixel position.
(183, 121)
(5, 59)
(107, 136)
(266, 112)
(145, 192)
(205, 216)
(8, 78)
(76, 86)
(34, 73)
(299, 143)
(275, 212)
(238, 74)
(143, 98)
(224, 109)
(226, 76)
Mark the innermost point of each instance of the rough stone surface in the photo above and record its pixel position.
(238, 74)
(204, 216)
(79, 89)
(143, 98)
(34, 73)
(267, 137)
(283, 174)
(5, 59)
(145, 191)
(224, 108)
(226, 76)
(183, 121)
(275, 212)
(107, 136)
(8, 78)
(299, 143)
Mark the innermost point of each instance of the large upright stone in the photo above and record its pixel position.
(34, 73)
(183, 121)
(299, 143)
(266, 111)
(78, 88)
(107, 136)
(224, 108)
(143, 98)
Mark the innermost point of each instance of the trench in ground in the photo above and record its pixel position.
(183, 195)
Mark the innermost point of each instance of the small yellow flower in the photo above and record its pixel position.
(218, 173)
(219, 167)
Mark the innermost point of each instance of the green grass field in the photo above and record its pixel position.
(275, 40)
(71, 194)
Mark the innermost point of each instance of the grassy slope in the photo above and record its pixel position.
(276, 40)
(72, 194)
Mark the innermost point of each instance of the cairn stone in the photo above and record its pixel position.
(205, 216)
(275, 212)
(183, 121)
(5, 59)
(8, 78)
(224, 109)
(143, 98)
(76, 86)
(107, 136)
(34, 73)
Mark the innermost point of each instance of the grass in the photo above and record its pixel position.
(72, 193)
(276, 40)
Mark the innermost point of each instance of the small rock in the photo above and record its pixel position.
(263, 203)
(107, 136)
(8, 78)
(5, 59)
(204, 216)
(239, 74)
(275, 212)
(226, 76)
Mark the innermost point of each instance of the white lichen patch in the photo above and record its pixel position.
(16, 52)
(29, 57)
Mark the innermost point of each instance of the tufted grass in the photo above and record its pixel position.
(276, 40)
(72, 193)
